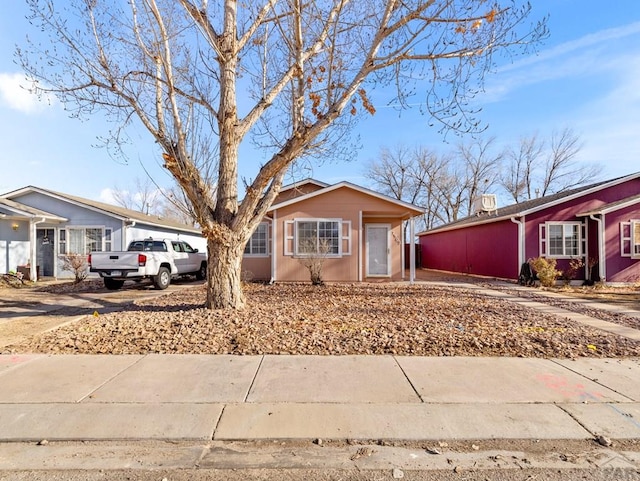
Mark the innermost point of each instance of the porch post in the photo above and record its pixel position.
(33, 260)
(403, 229)
(274, 223)
(360, 241)
(412, 251)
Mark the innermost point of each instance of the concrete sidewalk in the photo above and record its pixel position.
(199, 398)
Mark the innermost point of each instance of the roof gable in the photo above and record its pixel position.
(102, 207)
(21, 210)
(613, 206)
(330, 188)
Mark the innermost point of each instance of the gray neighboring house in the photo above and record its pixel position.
(38, 225)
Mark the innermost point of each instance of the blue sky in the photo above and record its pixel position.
(586, 77)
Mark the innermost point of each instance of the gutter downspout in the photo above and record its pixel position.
(521, 247)
(601, 253)
(125, 224)
(33, 258)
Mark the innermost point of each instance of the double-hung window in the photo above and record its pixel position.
(258, 245)
(563, 239)
(318, 237)
(635, 238)
(83, 240)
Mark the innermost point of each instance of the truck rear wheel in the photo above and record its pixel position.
(113, 284)
(202, 272)
(162, 280)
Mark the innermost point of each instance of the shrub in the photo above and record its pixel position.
(76, 263)
(315, 260)
(574, 266)
(546, 271)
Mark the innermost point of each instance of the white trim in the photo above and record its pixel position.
(345, 225)
(289, 224)
(102, 208)
(274, 224)
(351, 186)
(360, 242)
(547, 252)
(613, 206)
(388, 227)
(561, 200)
(402, 260)
(521, 240)
(412, 251)
(317, 220)
(250, 255)
(628, 240)
(297, 185)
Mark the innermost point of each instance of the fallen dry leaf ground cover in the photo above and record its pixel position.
(334, 320)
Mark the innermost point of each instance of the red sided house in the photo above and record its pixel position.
(357, 232)
(598, 223)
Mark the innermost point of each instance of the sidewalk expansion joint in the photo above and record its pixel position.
(395, 358)
(594, 380)
(253, 381)
(88, 396)
(580, 423)
(217, 424)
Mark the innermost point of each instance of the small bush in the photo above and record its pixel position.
(314, 260)
(76, 263)
(574, 266)
(546, 271)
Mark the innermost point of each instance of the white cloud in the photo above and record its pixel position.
(14, 93)
(591, 54)
(106, 195)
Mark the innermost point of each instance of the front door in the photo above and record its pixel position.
(377, 251)
(45, 251)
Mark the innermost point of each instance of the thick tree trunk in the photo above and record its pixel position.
(224, 288)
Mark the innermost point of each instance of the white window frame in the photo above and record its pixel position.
(250, 252)
(317, 220)
(107, 239)
(103, 242)
(628, 246)
(545, 240)
(62, 243)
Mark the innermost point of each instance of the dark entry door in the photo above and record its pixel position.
(45, 251)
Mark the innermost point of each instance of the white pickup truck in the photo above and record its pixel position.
(158, 260)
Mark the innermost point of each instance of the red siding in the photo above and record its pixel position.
(488, 250)
(492, 249)
(618, 268)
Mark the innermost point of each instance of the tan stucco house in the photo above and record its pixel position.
(358, 231)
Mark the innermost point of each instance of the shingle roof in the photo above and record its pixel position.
(116, 211)
(526, 207)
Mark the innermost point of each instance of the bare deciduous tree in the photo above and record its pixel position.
(142, 196)
(519, 169)
(537, 168)
(205, 74)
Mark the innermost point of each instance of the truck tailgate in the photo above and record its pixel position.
(114, 260)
